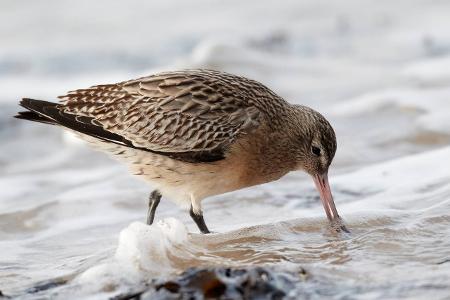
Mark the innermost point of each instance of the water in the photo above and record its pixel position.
(378, 71)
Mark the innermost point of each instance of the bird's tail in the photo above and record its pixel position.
(37, 111)
(51, 113)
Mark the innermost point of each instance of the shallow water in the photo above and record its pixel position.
(71, 215)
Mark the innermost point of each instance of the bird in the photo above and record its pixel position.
(196, 133)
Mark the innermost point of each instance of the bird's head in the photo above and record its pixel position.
(315, 149)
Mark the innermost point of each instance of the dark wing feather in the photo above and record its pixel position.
(32, 116)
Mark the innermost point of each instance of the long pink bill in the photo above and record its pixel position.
(323, 187)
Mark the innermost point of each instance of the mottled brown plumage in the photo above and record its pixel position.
(197, 133)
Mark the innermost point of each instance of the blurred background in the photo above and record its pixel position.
(378, 70)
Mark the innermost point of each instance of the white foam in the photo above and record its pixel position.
(144, 248)
(143, 252)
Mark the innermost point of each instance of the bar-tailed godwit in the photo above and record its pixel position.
(197, 133)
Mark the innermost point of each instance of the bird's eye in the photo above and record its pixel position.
(315, 150)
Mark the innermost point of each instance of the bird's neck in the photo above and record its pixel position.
(267, 156)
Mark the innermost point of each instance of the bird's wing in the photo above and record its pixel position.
(196, 113)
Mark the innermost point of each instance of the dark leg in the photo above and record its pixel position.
(153, 202)
(198, 219)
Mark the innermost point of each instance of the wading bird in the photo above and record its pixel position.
(197, 133)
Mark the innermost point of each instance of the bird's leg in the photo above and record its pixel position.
(153, 202)
(197, 215)
(198, 219)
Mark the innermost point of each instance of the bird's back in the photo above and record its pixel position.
(191, 115)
